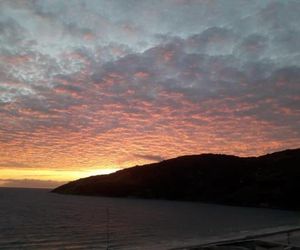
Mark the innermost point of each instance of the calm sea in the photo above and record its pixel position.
(38, 219)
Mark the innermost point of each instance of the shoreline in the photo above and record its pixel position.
(283, 231)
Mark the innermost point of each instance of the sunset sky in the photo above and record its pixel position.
(89, 87)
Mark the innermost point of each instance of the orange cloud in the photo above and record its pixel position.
(142, 75)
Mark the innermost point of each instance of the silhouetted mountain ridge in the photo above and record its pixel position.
(269, 181)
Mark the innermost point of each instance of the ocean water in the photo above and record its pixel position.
(38, 219)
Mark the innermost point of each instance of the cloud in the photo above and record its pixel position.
(30, 183)
(11, 32)
(13, 164)
(80, 85)
(150, 157)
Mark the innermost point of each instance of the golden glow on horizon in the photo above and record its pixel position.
(52, 174)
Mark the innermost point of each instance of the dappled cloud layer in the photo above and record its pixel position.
(91, 85)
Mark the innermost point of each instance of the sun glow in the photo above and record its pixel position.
(100, 171)
(9, 176)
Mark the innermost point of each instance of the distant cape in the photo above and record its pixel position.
(271, 180)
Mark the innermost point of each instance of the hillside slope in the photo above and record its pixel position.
(271, 180)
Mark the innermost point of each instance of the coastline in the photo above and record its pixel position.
(278, 235)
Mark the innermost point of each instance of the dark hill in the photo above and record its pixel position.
(271, 180)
